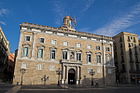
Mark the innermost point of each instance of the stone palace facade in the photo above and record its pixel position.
(49, 55)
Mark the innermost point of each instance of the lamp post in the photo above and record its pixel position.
(59, 72)
(45, 78)
(22, 70)
(92, 73)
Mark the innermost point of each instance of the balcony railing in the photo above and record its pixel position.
(70, 61)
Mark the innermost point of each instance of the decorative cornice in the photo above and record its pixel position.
(63, 30)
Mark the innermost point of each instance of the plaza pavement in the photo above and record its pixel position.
(58, 89)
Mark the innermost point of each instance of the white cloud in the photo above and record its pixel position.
(3, 11)
(86, 29)
(121, 23)
(60, 12)
(3, 23)
(88, 4)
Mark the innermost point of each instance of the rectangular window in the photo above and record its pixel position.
(107, 49)
(121, 46)
(78, 56)
(25, 51)
(120, 39)
(98, 58)
(53, 51)
(24, 66)
(40, 53)
(88, 46)
(27, 38)
(98, 48)
(128, 38)
(78, 45)
(89, 58)
(134, 39)
(41, 40)
(65, 43)
(39, 66)
(90, 70)
(65, 55)
(53, 42)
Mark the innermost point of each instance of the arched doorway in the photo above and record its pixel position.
(71, 76)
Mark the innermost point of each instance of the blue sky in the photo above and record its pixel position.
(104, 17)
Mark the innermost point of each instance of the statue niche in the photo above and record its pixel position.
(72, 55)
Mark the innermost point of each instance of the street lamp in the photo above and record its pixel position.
(59, 72)
(45, 78)
(92, 73)
(22, 70)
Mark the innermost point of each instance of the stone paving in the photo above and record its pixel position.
(68, 89)
(15, 89)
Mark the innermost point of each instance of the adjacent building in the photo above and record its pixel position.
(63, 55)
(127, 57)
(139, 45)
(4, 52)
(10, 67)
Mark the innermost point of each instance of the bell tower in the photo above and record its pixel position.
(69, 22)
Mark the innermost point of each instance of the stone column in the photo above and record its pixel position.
(63, 73)
(68, 55)
(77, 79)
(66, 72)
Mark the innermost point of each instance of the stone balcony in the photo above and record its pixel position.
(70, 61)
